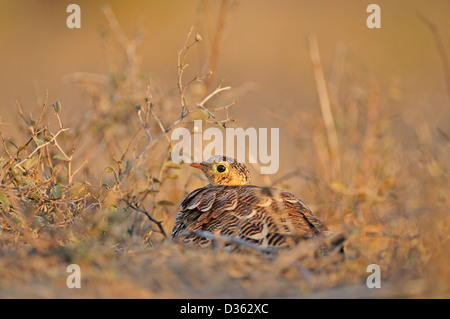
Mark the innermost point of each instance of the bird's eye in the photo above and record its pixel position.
(221, 168)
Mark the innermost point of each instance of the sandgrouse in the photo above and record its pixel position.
(231, 206)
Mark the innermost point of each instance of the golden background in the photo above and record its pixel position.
(387, 186)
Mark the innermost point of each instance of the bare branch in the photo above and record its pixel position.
(42, 113)
(135, 207)
(41, 146)
(231, 240)
(440, 47)
(325, 106)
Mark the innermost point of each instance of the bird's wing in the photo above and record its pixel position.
(301, 216)
(263, 216)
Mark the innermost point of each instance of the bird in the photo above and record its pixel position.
(230, 206)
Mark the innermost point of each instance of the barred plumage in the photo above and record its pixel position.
(230, 206)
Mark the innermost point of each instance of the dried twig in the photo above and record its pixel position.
(325, 107)
(231, 240)
(53, 139)
(129, 47)
(157, 119)
(166, 130)
(181, 66)
(225, 9)
(440, 47)
(38, 121)
(135, 207)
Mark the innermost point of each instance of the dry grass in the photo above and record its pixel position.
(102, 192)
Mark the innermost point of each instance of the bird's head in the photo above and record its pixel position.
(222, 170)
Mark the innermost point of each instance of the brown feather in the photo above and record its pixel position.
(229, 206)
(245, 212)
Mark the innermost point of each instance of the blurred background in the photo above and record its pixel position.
(387, 180)
(264, 52)
(264, 44)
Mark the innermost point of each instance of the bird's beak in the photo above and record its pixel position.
(198, 165)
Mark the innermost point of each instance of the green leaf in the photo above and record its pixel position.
(223, 125)
(113, 208)
(109, 169)
(5, 201)
(13, 144)
(56, 191)
(57, 106)
(61, 157)
(27, 182)
(77, 190)
(206, 114)
(155, 180)
(29, 162)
